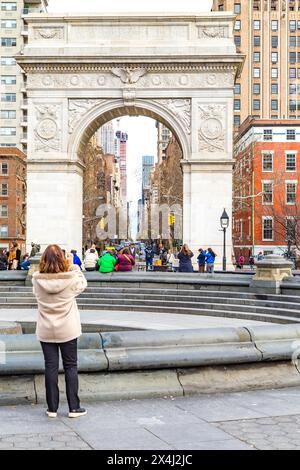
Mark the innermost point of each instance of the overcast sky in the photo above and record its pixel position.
(141, 131)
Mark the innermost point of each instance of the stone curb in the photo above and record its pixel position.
(154, 384)
(145, 350)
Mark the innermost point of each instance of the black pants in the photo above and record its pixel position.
(69, 358)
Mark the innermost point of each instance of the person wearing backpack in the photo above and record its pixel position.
(210, 260)
(125, 261)
(149, 256)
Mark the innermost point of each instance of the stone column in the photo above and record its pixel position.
(207, 190)
(54, 204)
(208, 174)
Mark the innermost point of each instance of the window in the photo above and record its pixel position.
(3, 231)
(256, 25)
(267, 192)
(256, 105)
(8, 97)
(274, 72)
(292, 57)
(8, 42)
(293, 25)
(4, 189)
(291, 227)
(293, 105)
(274, 25)
(274, 57)
(292, 73)
(268, 134)
(293, 89)
(237, 89)
(290, 162)
(274, 41)
(267, 228)
(237, 26)
(237, 8)
(8, 131)
(9, 6)
(4, 169)
(4, 210)
(237, 105)
(291, 190)
(274, 105)
(274, 89)
(256, 41)
(256, 56)
(292, 41)
(256, 88)
(237, 120)
(237, 41)
(8, 61)
(8, 114)
(267, 162)
(8, 79)
(291, 134)
(8, 24)
(256, 73)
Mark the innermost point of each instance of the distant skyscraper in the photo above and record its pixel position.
(121, 155)
(148, 164)
(163, 137)
(106, 138)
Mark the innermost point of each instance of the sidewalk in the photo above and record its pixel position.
(140, 320)
(250, 420)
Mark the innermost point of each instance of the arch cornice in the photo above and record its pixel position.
(105, 110)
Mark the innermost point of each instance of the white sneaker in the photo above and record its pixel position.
(77, 413)
(51, 414)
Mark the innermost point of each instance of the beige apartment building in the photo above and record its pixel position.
(268, 33)
(13, 104)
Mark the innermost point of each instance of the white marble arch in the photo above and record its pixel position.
(83, 70)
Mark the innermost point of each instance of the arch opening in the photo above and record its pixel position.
(153, 211)
(104, 111)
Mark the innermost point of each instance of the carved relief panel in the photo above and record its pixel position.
(48, 128)
(212, 128)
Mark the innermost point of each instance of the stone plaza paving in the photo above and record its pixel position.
(237, 421)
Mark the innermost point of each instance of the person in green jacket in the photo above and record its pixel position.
(107, 263)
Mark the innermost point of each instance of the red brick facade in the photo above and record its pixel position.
(266, 187)
(12, 197)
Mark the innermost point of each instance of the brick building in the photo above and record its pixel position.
(12, 197)
(266, 187)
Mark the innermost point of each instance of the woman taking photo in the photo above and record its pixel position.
(185, 260)
(56, 286)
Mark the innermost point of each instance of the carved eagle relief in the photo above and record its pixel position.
(129, 76)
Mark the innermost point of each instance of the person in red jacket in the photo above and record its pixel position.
(125, 261)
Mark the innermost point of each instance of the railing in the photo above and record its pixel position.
(26, 11)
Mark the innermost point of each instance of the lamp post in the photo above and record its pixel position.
(224, 225)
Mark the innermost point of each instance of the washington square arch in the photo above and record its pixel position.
(84, 70)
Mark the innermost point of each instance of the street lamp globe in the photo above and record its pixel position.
(224, 220)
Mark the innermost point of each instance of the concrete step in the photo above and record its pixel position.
(156, 299)
(162, 294)
(170, 306)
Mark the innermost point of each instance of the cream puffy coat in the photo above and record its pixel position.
(58, 316)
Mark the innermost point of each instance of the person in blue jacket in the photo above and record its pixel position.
(201, 260)
(185, 260)
(210, 256)
(76, 259)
